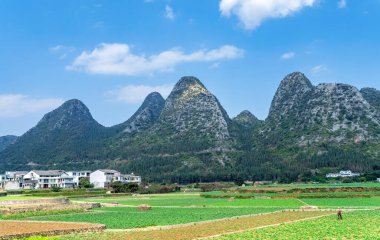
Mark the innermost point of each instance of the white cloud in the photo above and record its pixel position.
(169, 14)
(16, 105)
(319, 69)
(342, 4)
(61, 50)
(137, 93)
(55, 48)
(288, 55)
(118, 59)
(251, 13)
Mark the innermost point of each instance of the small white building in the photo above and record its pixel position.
(38, 179)
(378, 179)
(77, 175)
(332, 175)
(132, 178)
(347, 173)
(102, 178)
(13, 180)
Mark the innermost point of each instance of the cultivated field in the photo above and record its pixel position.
(214, 215)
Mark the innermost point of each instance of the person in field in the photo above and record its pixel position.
(340, 215)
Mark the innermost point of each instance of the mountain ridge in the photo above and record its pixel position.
(190, 137)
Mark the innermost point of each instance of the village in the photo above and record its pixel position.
(45, 179)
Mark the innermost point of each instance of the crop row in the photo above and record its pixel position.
(206, 229)
(355, 225)
(126, 217)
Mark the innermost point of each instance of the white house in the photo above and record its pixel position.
(46, 179)
(102, 178)
(332, 175)
(77, 175)
(14, 180)
(347, 173)
(132, 178)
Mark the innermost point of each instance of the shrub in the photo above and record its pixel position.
(119, 187)
(85, 183)
(55, 189)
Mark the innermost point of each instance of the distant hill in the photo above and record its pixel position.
(5, 141)
(189, 136)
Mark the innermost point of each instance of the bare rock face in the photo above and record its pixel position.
(291, 94)
(146, 115)
(191, 110)
(328, 112)
(372, 96)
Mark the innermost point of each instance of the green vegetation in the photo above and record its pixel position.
(343, 202)
(168, 200)
(18, 197)
(119, 187)
(124, 217)
(84, 182)
(40, 238)
(23, 215)
(355, 225)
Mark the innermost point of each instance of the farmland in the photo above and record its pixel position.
(355, 225)
(193, 215)
(126, 217)
(197, 201)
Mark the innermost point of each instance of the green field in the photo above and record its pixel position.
(344, 202)
(125, 217)
(178, 208)
(168, 200)
(18, 197)
(355, 225)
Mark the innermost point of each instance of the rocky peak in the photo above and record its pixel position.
(246, 119)
(187, 82)
(146, 115)
(70, 113)
(190, 107)
(328, 112)
(293, 89)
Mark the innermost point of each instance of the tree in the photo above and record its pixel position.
(85, 183)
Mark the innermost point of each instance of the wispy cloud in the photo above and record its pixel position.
(169, 13)
(118, 59)
(342, 3)
(16, 105)
(251, 13)
(61, 50)
(319, 69)
(136, 93)
(288, 55)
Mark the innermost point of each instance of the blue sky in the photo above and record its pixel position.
(110, 54)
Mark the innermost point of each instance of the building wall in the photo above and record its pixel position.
(12, 185)
(98, 178)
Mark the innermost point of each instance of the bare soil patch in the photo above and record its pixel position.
(22, 229)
